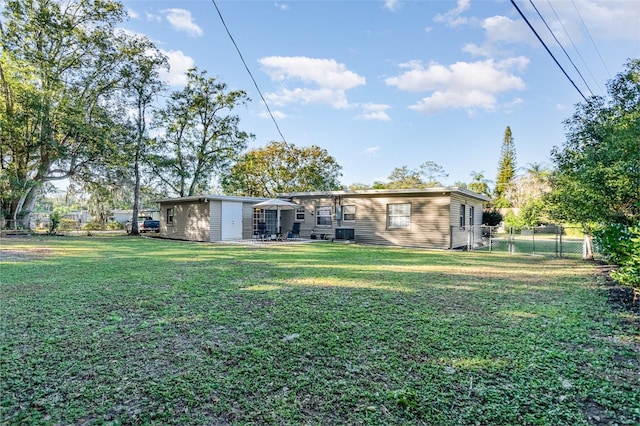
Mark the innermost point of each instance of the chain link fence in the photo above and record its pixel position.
(37, 226)
(549, 240)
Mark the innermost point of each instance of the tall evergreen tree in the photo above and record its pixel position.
(506, 170)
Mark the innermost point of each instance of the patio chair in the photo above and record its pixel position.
(295, 231)
(262, 230)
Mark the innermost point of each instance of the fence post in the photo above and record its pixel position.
(511, 240)
(490, 239)
(561, 232)
(533, 240)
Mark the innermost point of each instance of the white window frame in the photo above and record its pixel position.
(300, 214)
(463, 219)
(170, 214)
(349, 211)
(398, 215)
(472, 211)
(323, 212)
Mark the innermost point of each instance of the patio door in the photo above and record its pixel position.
(231, 218)
(271, 219)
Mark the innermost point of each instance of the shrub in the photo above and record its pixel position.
(491, 217)
(113, 226)
(93, 225)
(54, 221)
(68, 225)
(620, 245)
(512, 220)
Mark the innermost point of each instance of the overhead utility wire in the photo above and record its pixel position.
(248, 71)
(591, 38)
(561, 46)
(547, 49)
(595, 80)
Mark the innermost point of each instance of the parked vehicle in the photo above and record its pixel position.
(145, 224)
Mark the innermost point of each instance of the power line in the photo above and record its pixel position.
(546, 48)
(591, 38)
(595, 80)
(249, 71)
(561, 46)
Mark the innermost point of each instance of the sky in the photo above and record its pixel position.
(386, 84)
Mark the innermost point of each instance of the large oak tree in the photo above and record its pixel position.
(59, 64)
(283, 167)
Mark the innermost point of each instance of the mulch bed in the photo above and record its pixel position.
(621, 296)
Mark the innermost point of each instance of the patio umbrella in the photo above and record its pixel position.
(276, 204)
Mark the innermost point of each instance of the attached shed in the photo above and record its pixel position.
(207, 218)
(442, 218)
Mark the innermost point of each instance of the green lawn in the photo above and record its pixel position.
(126, 330)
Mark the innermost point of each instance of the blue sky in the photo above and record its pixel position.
(385, 84)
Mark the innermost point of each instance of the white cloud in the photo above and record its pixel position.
(465, 85)
(153, 17)
(180, 64)
(604, 19)
(371, 151)
(330, 80)
(324, 72)
(500, 31)
(375, 112)
(302, 95)
(132, 14)
(392, 5)
(502, 28)
(181, 20)
(278, 115)
(281, 6)
(452, 18)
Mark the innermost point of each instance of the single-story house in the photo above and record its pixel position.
(443, 218)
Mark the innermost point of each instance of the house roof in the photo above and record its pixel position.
(420, 191)
(369, 192)
(212, 197)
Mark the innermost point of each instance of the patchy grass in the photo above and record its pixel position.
(133, 330)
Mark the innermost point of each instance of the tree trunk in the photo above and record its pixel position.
(23, 208)
(587, 247)
(136, 199)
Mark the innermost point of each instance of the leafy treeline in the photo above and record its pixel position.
(78, 101)
(597, 178)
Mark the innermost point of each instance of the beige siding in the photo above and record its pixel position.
(247, 221)
(190, 221)
(461, 237)
(215, 220)
(429, 220)
(308, 224)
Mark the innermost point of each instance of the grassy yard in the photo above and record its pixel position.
(126, 330)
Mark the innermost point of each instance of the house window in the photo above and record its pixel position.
(169, 216)
(471, 215)
(300, 214)
(463, 212)
(399, 215)
(348, 213)
(323, 216)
